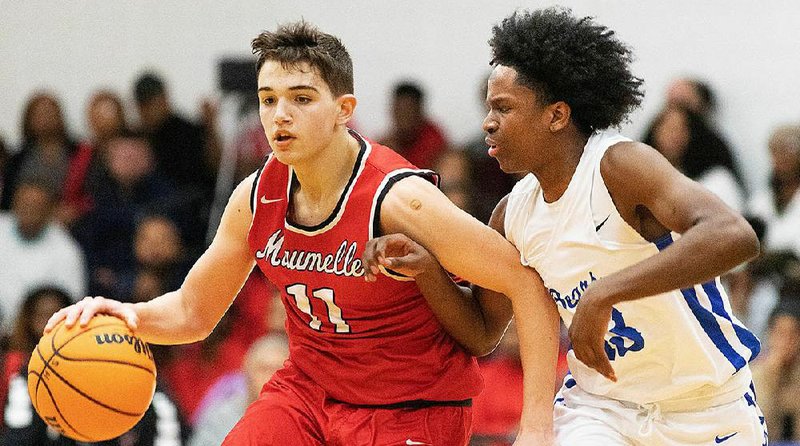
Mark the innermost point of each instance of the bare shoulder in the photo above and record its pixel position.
(410, 186)
(627, 156)
(239, 202)
(635, 169)
(409, 195)
(416, 206)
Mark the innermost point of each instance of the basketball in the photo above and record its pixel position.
(91, 383)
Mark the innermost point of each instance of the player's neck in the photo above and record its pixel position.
(324, 176)
(555, 175)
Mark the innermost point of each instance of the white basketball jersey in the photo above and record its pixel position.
(683, 344)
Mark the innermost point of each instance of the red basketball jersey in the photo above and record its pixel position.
(369, 343)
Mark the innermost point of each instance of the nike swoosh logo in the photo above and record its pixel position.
(719, 439)
(274, 200)
(411, 442)
(597, 228)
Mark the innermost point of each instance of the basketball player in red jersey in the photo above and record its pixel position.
(370, 362)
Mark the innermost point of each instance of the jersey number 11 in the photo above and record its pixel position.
(299, 292)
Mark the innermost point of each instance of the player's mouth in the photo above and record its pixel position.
(492, 146)
(282, 138)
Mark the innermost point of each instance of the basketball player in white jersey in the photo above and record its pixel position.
(629, 248)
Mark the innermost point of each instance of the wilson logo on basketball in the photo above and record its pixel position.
(138, 345)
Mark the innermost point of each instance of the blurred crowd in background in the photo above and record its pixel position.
(125, 210)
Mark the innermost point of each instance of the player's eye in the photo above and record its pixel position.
(269, 100)
(303, 99)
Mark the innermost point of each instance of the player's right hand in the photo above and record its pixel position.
(398, 253)
(84, 310)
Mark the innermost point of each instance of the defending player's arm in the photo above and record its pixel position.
(190, 313)
(475, 317)
(471, 250)
(655, 198)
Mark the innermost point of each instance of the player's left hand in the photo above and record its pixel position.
(587, 333)
(398, 253)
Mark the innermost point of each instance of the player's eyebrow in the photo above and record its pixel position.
(292, 88)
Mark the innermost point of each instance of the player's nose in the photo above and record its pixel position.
(489, 124)
(282, 112)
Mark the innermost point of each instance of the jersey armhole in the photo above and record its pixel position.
(256, 181)
(380, 194)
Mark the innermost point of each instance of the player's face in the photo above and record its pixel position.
(297, 110)
(516, 122)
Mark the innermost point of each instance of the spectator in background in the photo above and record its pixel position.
(456, 179)
(36, 308)
(158, 252)
(487, 181)
(697, 96)
(46, 150)
(694, 94)
(185, 153)
(776, 373)
(105, 116)
(779, 205)
(226, 400)
(686, 141)
(129, 188)
(34, 250)
(413, 135)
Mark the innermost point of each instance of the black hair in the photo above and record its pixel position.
(28, 136)
(563, 58)
(708, 100)
(409, 89)
(148, 86)
(299, 42)
(21, 337)
(705, 149)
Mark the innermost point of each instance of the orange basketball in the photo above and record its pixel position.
(92, 383)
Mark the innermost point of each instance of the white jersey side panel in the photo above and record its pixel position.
(680, 344)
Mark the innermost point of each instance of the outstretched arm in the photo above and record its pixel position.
(190, 313)
(471, 250)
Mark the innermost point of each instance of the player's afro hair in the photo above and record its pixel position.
(563, 58)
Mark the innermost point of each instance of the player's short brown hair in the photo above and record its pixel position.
(300, 42)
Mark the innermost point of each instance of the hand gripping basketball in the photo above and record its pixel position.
(85, 309)
(91, 382)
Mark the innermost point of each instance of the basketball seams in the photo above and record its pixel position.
(46, 361)
(55, 405)
(110, 361)
(81, 393)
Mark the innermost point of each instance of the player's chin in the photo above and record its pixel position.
(284, 156)
(506, 165)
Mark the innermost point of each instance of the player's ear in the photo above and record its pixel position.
(346, 106)
(560, 114)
